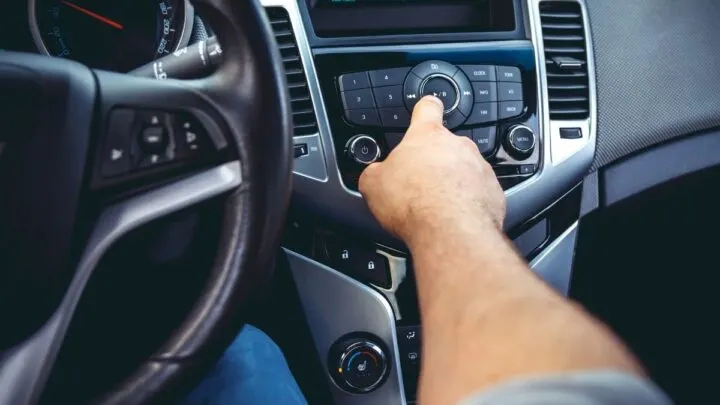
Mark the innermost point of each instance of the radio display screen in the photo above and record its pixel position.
(337, 18)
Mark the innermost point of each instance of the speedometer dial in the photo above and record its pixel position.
(115, 35)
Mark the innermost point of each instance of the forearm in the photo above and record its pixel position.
(487, 318)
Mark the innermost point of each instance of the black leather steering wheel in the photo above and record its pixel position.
(61, 116)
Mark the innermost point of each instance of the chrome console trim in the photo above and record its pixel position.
(554, 263)
(335, 305)
(314, 169)
(560, 149)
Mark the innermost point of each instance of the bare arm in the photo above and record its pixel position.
(486, 317)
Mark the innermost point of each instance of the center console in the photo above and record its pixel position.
(371, 96)
(516, 77)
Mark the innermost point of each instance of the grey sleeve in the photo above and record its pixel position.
(586, 388)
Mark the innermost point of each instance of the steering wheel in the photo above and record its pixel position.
(78, 140)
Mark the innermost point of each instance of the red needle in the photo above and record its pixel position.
(93, 15)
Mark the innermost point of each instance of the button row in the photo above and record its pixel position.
(140, 139)
(485, 138)
(490, 73)
(410, 344)
(360, 261)
(376, 98)
(373, 78)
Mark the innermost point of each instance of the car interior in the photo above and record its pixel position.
(171, 170)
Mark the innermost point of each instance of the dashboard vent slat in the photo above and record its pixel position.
(303, 112)
(566, 60)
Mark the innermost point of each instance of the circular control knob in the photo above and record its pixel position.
(444, 88)
(359, 366)
(363, 149)
(520, 141)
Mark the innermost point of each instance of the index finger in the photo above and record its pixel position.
(428, 111)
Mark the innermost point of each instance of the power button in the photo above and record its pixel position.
(363, 149)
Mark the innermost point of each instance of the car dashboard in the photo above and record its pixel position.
(566, 99)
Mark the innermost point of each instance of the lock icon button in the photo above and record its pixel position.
(371, 265)
(345, 254)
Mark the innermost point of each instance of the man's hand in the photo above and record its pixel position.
(432, 179)
(486, 317)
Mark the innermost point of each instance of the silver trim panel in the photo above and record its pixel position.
(336, 305)
(554, 264)
(24, 369)
(311, 165)
(398, 272)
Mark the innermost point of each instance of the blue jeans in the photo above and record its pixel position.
(253, 371)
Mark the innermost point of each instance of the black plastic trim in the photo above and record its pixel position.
(520, 32)
(655, 166)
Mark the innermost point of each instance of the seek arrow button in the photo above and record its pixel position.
(115, 154)
(191, 137)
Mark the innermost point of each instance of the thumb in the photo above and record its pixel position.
(429, 110)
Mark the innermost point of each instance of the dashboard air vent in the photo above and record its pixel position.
(566, 60)
(304, 120)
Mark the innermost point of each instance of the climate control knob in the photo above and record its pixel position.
(520, 141)
(363, 149)
(358, 365)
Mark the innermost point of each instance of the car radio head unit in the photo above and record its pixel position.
(340, 18)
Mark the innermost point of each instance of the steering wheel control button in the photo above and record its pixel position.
(388, 77)
(485, 92)
(483, 113)
(154, 139)
(360, 367)
(190, 137)
(364, 116)
(444, 88)
(485, 139)
(363, 149)
(508, 74)
(411, 91)
(454, 119)
(358, 99)
(520, 141)
(479, 73)
(391, 96)
(510, 109)
(395, 117)
(115, 159)
(354, 81)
